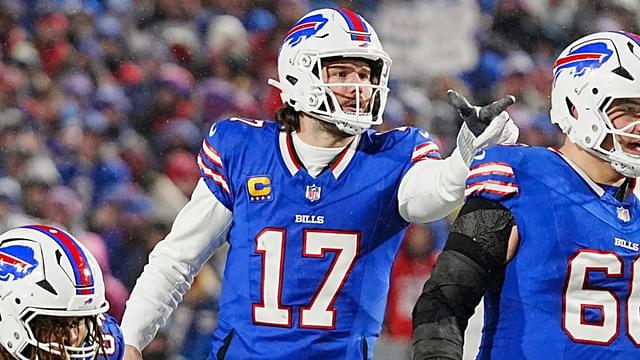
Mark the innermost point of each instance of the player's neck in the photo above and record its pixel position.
(312, 132)
(597, 169)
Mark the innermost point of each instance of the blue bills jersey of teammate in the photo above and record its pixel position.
(308, 267)
(113, 342)
(572, 291)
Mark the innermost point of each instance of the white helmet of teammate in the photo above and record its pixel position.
(44, 271)
(589, 75)
(332, 33)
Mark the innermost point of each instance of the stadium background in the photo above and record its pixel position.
(103, 105)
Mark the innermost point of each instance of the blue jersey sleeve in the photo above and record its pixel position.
(491, 174)
(113, 345)
(212, 164)
(224, 145)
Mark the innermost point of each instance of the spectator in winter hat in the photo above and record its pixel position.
(25, 55)
(64, 208)
(181, 168)
(52, 43)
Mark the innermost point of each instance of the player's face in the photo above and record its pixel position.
(352, 71)
(625, 116)
(67, 331)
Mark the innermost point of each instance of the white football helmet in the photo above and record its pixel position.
(332, 33)
(44, 271)
(589, 75)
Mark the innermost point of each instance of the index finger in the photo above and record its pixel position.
(495, 108)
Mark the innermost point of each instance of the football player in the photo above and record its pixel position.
(314, 205)
(550, 237)
(52, 299)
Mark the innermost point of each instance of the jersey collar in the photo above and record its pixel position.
(592, 184)
(598, 189)
(293, 163)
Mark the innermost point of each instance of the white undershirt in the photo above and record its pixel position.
(314, 158)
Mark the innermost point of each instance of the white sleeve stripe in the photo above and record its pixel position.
(491, 168)
(491, 186)
(214, 175)
(211, 154)
(423, 150)
(426, 156)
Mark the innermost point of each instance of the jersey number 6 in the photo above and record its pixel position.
(320, 313)
(579, 299)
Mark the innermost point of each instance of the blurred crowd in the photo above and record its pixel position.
(104, 103)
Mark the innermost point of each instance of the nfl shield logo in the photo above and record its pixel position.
(623, 214)
(313, 192)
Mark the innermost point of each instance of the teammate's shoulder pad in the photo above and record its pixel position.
(509, 154)
(492, 173)
(112, 336)
(233, 124)
(401, 134)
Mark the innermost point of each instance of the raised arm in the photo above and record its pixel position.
(432, 189)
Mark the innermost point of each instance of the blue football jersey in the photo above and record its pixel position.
(572, 289)
(112, 337)
(307, 272)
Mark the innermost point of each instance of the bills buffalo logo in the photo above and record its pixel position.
(582, 58)
(305, 28)
(16, 262)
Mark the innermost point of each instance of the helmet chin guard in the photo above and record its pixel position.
(332, 34)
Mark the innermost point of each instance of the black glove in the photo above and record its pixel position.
(477, 118)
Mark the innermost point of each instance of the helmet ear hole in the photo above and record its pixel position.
(570, 107)
(292, 80)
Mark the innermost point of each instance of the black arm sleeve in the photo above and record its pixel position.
(474, 254)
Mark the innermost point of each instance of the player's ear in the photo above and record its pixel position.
(574, 111)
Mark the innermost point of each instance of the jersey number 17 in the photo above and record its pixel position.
(320, 313)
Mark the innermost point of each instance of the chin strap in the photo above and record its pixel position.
(624, 189)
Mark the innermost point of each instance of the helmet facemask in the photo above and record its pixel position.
(612, 147)
(366, 110)
(50, 335)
